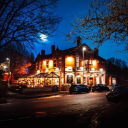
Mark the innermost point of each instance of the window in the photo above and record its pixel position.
(97, 79)
(103, 79)
(78, 80)
(60, 62)
(77, 61)
(70, 79)
(90, 61)
(46, 64)
(40, 65)
(54, 63)
(113, 80)
(86, 62)
(37, 66)
(85, 80)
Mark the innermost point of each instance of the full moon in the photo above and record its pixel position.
(43, 37)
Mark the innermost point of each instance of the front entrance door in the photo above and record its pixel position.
(70, 79)
(91, 81)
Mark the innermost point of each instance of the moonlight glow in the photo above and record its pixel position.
(43, 37)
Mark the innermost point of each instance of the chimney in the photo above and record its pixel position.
(53, 48)
(96, 52)
(43, 53)
(78, 41)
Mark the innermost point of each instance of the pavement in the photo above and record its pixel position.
(30, 95)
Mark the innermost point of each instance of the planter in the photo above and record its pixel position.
(65, 88)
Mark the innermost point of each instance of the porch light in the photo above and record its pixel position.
(101, 70)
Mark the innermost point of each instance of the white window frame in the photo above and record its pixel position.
(77, 61)
(97, 79)
(103, 79)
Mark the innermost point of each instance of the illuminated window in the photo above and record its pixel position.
(90, 61)
(69, 59)
(77, 61)
(103, 79)
(86, 62)
(94, 62)
(97, 79)
(113, 80)
(50, 64)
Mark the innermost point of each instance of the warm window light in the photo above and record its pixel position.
(93, 69)
(69, 59)
(94, 62)
(50, 63)
(38, 72)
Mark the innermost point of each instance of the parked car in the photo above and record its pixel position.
(16, 88)
(112, 86)
(79, 89)
(3, 88)
(100, 88)
(118, 93)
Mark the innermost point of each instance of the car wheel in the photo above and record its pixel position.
(87, 91)
(108, 99)
(100, 90)
(107, 90)
(70, 92)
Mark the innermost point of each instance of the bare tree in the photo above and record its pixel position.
(17, 55)
(105, 20)
(22, 21)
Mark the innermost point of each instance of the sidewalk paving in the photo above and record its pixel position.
(29, 95)
(35, 95)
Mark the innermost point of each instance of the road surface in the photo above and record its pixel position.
(67, 110)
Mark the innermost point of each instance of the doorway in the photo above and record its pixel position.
(91, 81)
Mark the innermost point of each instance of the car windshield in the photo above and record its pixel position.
(117, 89)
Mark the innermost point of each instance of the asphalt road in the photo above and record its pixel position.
(65, 110)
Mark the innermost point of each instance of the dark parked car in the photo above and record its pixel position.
(118, 93)
(100, 88)
(79, 89)
(17, 88)
(112, 86)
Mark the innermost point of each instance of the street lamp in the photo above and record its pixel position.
(8, 68)
(84, 48)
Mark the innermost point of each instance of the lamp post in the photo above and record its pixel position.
(83, 63)
(8, 68)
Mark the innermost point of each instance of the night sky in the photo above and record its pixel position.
(67, 8)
